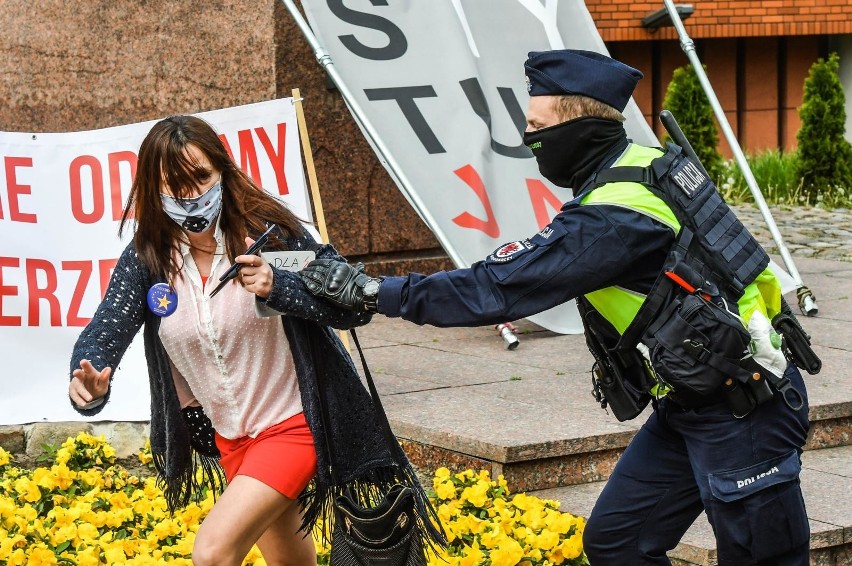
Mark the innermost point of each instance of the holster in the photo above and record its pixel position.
(621, 380)
(795, 342)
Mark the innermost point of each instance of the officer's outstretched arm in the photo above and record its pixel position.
(345, 285)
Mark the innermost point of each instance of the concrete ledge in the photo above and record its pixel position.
(830, 433)
(126, 437)
(12, 438)
(551, 465)
(520, 476)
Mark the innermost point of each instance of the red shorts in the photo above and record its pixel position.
(282, 456)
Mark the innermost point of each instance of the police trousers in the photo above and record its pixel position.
(743, 472)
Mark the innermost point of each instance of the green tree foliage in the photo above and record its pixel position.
(689, 104)
(825, 157)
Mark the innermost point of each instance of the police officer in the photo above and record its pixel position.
(608, 245)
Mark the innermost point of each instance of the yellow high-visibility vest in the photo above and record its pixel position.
(619, 305)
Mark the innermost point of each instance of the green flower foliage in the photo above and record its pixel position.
(825, 157)
(686, 100)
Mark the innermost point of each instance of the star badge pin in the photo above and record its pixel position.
(162, 300)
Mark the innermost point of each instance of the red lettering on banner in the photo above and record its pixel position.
(105, 267)
(48, 292)
(466, 220)
(114, 160)
(85, 269)
(14, 190)
(248, 156)
(42, 284)
(540, 197)
(96, 188)
(8, 290)
(276, 158)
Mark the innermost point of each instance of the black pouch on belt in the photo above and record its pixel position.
(696, 345)
(620, 380)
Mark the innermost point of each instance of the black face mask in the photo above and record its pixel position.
(568, 153)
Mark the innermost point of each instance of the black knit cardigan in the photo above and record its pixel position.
(360, 462)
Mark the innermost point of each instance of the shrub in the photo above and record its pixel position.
(686, 100)
(777, 176)
(825, 157)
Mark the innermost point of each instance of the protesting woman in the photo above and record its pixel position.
(231, 391)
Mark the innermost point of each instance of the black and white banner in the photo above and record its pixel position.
(442, 82)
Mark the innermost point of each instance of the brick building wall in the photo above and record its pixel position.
(758, 81)
(620, 20)
(757, 53)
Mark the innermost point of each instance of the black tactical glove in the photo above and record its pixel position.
(345, 285)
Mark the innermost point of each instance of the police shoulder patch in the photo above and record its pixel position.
(689, 177)
(510, 251)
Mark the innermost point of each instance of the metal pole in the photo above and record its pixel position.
(807, 301)
(384, 154)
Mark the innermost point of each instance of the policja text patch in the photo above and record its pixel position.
(736, 484)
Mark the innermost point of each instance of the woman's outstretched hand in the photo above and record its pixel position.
(88, 384)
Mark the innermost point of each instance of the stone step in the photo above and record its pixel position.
(458, 398)
(570, 458)
(827, 487)
(534, 421)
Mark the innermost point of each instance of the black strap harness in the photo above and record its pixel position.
(714, 257)
(713, 253)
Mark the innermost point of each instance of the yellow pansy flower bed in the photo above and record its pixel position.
(486, 526)
(86, 510)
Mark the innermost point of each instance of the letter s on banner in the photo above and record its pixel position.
(397, 44)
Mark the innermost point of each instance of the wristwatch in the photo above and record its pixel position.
(371, 294)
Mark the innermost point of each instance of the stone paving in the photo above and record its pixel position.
(807, 232)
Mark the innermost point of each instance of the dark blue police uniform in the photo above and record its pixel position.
(743, 471)
(667, 474)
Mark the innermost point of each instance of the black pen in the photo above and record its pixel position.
(234, 270)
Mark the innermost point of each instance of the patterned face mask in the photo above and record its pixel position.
(195, 214)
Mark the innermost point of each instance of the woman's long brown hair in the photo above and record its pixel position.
(164, 159)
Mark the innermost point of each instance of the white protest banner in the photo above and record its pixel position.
(61, 199)
(442, 82)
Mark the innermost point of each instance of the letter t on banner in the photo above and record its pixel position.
(312, 180)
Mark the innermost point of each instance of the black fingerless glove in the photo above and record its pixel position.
(347, 286)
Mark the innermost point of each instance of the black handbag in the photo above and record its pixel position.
(385, 531)
(384, 534)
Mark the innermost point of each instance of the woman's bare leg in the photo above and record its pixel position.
(248, 511)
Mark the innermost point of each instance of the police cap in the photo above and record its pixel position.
(574, 71)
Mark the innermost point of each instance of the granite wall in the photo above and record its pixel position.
(69, 66)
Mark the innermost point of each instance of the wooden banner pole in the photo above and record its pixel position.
(313, 184)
